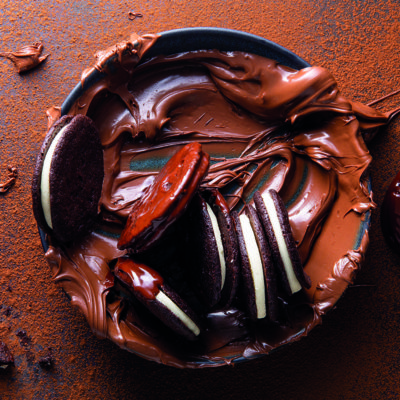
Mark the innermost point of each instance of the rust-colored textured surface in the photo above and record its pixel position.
(353, 355)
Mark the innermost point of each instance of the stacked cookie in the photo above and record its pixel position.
(269, 255)
(249, 259)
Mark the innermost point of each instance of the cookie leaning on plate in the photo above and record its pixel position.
(65, 202)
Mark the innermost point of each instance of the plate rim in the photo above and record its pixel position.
(184, 38)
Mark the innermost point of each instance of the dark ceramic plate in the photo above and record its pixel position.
(188, 39)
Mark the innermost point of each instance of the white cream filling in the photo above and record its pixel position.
(168, 303)
(218, 238)
(45, 178)
(256, 266)
(283, 250)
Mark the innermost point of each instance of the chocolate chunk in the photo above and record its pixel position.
(27, 58)
(24, 339)
(6, 357)
(46, 361)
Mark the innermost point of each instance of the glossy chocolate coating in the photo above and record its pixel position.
(139, 278)
(166, 199)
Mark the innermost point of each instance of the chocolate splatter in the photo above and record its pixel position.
(133, 15)
(27, 58)
(11, 178)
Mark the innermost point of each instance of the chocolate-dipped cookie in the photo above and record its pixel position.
(257, 268)
(274, 217)
(214, 248)
(166, 199)
(65, 201)
(149, 288)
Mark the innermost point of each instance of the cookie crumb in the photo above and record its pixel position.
(11, 178)
(47, 360)
(6, 357)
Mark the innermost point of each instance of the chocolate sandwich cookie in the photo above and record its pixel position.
(65, 200)
(166, 199)
(149, 288)
(258, 272)
(275, 219)
(213, 243)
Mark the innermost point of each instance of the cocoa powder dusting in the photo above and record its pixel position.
(358, 43)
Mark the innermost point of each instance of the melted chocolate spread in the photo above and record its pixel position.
(264, 126)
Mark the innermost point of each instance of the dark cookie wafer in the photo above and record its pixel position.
(150, 289)
(166, 199)
(70, 204)
(274, 217)
(213, 247)
(257, 266)
(229, 240)
(206, 272)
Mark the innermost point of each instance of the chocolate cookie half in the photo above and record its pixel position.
(166, 199)
(149, 288)
(274, 217)
(65, 200)
(214, 248)
(258, 272)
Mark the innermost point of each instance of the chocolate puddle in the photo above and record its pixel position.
(264, 126)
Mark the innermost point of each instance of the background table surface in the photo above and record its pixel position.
(354, 354)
